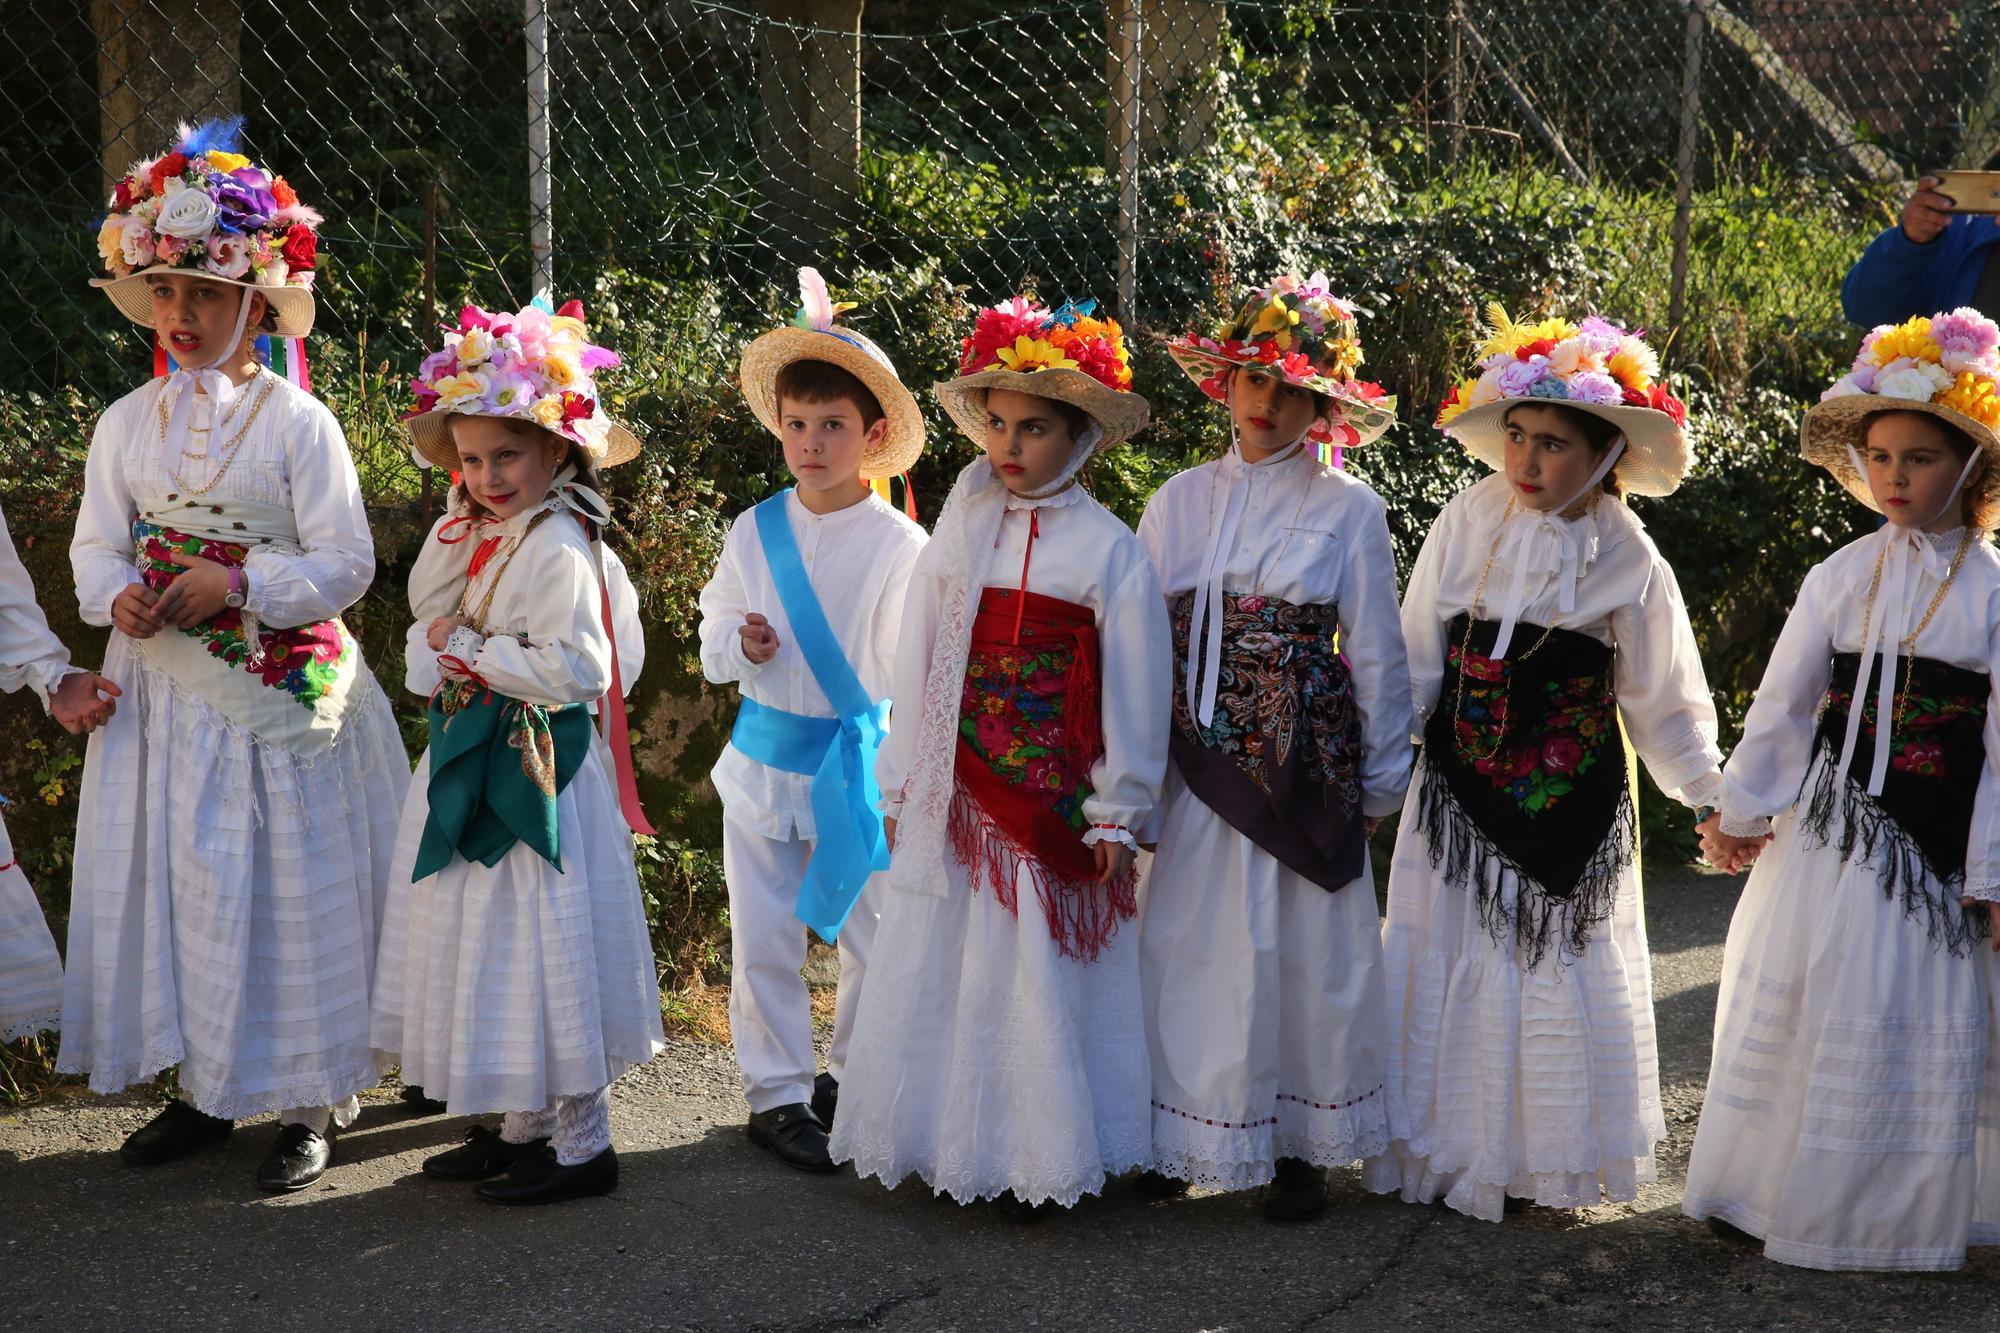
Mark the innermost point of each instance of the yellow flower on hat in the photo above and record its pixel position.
(226, 162)
(1343, 358)
(110, 240)
(1972, 395)
(1033, 354)
(1275, 321)
(561, 371)
(1911, 338)
(548, 410)
(474, 347)
(1508, 336)
(455, 389)
(1632, 369)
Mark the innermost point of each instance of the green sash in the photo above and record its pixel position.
(496, 767)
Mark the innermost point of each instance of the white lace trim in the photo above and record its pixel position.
(33, 1024)
(583, 1127)
(464, 644)
(1118, 834)
(1232, 1155)
(1754, 826)
(1984, 890)
(1471, 1191)
(1049, 1179)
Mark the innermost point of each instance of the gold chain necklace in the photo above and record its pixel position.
(214, 428)
(1906, 645)
(230, 450)
(478, 618)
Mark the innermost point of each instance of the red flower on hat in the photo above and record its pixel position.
(125, 195)
(282, 191)
(1369, 390)
(301, 247)
(173, 164)
(1539, 347)
(1268, 352)
(576, 407)
(1636, 398)
(1298, 365)
(572, 309)
(1661, 401)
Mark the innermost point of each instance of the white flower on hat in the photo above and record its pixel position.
(188, 214)
(1915, 381)
(135, 243)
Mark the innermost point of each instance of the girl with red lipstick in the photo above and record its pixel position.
(1849, 1117)
(237, 814)
(517, 972)
(1000, 1050)
(1522, 1062)
(1260, 948)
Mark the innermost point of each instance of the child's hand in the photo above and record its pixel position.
(1114, 859)
(1992, 917)
(889, 831)
(438, 636)
(77, 702)
(196, 594)
(760, 641)
(1725, 851)
(132, 612)
(1369, 825)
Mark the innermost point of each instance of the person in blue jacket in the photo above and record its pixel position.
(1932, 259)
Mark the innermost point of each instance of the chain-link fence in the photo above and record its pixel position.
(1704, 169)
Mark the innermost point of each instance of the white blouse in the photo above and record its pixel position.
(544, 641)
(30, 653)
(859, 560)
(1085, 555)
(1311, 535)
(293, 456)
(1769, 765)
(1624, 596)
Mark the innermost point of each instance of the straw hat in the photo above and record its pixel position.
(1066, 354)
(204, 208)
(536, 364)
(813, 336)
(1945, 365)
(1299, 331)
(1593, 366)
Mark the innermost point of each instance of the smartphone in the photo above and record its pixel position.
(1970, 191)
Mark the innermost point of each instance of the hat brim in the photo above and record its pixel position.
(1656, 453)
(902, 444)
(1370, 420)
(292, 308)
(1120, 414)
(430, 436)
(1834, 425)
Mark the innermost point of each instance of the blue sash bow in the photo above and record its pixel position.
(838, 752)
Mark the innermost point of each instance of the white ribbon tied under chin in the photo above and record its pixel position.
(183, 383)
(1543, 533)
(1907, 554)
(1204, 673)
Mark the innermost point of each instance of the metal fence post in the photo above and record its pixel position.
(541, 225)
(1129, 43)
(1684, 168)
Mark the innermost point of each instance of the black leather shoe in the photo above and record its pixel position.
(415, 1103)
(298, 1158)
(482, 1156)
(794, 1134)
(540, 1178)
(1153, 1185)
(175, 1132)
(1298, 1194)
(1732, 1233)
(826, 1099)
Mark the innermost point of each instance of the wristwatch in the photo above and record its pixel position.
(234, 601)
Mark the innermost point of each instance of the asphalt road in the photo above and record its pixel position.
(707, 1233)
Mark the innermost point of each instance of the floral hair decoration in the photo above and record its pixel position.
(1297, 329)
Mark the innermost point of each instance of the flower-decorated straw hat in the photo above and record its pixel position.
(1297, 329)
(537, 364)
(202, 207)
(813, 336)
(1066, 354)
(1592, 365)
(1946, 365)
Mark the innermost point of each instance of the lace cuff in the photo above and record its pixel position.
(465, 643)
(1984, 890)
(1109, 833)
(1756, 826)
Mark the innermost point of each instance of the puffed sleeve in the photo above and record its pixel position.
(1663, 694)
(30, 653)
(102, 559)
(1768, 766)
(725, 601)
(336, 560)
(1982, 852)
(1136, 643)
(914, 641)
(561, 654)
(1371, 639)
(1423, 628)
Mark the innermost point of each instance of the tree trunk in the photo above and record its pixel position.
(160, 62)
(809, 77)
(1178, 53)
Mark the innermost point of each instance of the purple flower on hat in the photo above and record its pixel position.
(1517, 379)
(244, 200)
(1590, 386)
